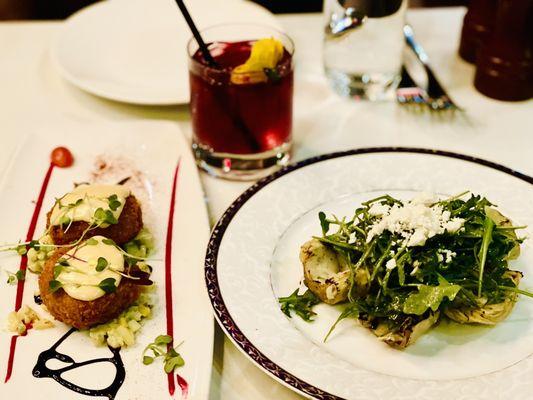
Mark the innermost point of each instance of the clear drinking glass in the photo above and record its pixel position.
(363, 45)
(241, 125)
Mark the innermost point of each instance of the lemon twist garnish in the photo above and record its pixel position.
(265, 54)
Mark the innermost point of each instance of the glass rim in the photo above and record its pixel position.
(192, 40)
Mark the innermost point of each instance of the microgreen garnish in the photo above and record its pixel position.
(54, 285)
(64, 220)
(13, 278)
(162, 347)
(22, 250)
(109, 242)
(108, 285)
(101, 264)
(63, 262)
(173, 360)
(144, 267)
(91, 242)
(114, 204)
(102, 216)
(58, 268)
(301, 304)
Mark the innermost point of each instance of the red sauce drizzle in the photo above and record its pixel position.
(168, 283)
(24, 265)
(184, 386)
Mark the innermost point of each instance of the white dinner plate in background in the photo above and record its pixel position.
(134, 51)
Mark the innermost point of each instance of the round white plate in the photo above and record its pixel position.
(134, 51)
(252, 260)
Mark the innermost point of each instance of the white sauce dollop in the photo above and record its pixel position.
(82, 203)
(80, 279)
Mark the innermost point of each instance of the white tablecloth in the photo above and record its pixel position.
(31, 90)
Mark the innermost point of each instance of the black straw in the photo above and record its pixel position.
(203, 47)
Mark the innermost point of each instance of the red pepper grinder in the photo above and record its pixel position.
(505, 61)
(478, 25)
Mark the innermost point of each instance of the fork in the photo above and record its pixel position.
(409, 94)
(435, 97)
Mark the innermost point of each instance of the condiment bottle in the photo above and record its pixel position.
(505, 61)
(478, 25)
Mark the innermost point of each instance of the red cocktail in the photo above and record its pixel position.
(242, 109)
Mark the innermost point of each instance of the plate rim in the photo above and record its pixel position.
(223, 316)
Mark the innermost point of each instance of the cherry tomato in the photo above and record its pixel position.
(61, 157)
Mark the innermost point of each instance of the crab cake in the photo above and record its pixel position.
(109, 210)
(83, 286)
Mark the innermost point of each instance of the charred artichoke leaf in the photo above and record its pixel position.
(487, 314)
(430, 297)
(408, 333)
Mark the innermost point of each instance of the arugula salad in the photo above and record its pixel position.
(399, 267)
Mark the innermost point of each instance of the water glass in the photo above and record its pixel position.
(363, 45)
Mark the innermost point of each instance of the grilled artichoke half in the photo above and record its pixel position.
(491, 314)
(327, 273)
(486, 314)
(402, 335)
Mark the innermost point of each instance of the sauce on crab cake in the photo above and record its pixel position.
(95, 209)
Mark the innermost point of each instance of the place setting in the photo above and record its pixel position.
(331, 218)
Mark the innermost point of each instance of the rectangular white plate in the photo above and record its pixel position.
(155, 148)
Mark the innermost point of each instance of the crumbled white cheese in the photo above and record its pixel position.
(416, 265)
(378, 209)
(391, 264)
(454, 224)
(416, 221)
(446, 255)
(425, 198)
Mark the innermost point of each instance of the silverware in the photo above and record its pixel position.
(410, 95)
(437, 99)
